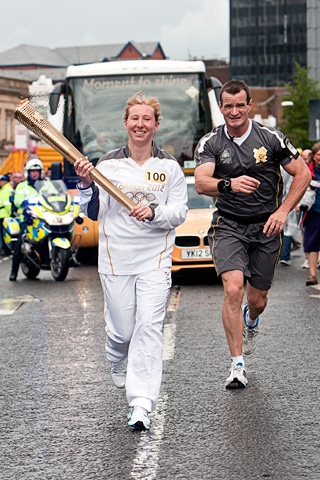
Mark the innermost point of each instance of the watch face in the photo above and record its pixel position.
(226, 183)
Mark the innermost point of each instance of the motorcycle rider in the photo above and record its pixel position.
(25, 190)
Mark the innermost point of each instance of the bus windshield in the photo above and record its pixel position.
(95, 106)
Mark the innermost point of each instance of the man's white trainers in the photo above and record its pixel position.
(118, 373)
(138, 419)
(250, 334)
(237, 377)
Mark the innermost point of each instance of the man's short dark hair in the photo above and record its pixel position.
(233, 87)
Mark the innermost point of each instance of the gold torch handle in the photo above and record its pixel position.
(30, 117)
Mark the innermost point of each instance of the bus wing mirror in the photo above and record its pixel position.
(215, 84)
(58, 90)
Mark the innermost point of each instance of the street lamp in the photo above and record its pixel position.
(287, 103)
(274, 98)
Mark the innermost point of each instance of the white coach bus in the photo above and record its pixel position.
(93, 99)
(95, 96)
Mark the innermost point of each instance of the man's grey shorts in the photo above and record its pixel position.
(237, 246)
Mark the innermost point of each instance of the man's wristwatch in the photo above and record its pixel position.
(224, 186)
(153, 206)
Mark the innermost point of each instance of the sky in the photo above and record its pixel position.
(184, 28)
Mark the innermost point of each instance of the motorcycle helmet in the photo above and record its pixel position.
(34, 163)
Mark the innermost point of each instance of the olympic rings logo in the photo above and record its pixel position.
(141, 198)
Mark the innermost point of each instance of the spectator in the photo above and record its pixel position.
(306, 155)
(291, 227)
(311, 221)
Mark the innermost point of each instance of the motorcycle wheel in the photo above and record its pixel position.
(60, 264)
(29, 269)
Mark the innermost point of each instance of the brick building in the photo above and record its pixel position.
(24, 64)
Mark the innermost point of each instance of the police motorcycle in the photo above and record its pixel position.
(48, 242)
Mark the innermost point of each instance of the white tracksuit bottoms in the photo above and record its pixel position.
(135, 307)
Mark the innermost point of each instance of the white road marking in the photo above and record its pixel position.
(145, 463)
(9, 305)
(174, 300)
(169, 339)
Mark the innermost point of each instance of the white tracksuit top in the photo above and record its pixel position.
(126, 245)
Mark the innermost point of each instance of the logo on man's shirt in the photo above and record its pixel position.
(225, 157)
(260, 154)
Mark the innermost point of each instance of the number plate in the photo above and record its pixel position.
(199, 253)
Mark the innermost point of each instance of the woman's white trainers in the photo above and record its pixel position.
(138, 418)
(118, 374)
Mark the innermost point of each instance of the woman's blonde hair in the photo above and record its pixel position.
(139, 99)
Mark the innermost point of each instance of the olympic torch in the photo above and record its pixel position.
(30, 117)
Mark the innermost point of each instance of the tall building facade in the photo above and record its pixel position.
(267, 37)
(313, 38)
